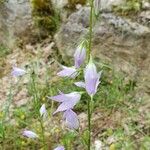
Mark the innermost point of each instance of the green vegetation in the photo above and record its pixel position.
(114, 97)
(131, 6)
(3, 51)
(45, 16)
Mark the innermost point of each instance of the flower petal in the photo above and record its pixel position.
(79, 56)
(30, 134)
(91, 78)
(43, 111)
(68, 72)
(80, 84)
(60, 148)
(71, 119)
(16, 72)
(71, 100)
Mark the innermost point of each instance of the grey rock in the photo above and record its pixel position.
(116, 40)
(15, 18)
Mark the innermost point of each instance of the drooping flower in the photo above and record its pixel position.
(91, 78)
(68, 101)
(43, 111)
(68, 72)
(79, 56)
(16, 72)
(71, 119)
(60, 148)
(30, 134)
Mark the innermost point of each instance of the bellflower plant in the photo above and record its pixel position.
(91, 81)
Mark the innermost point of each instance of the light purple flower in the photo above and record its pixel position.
(91, 78)
(16, 72)
(30, 134)
(67, 101)
(43, 111)
(60, 148)
(79, 56)
(80, 84)
(68, 72)
(71, 119)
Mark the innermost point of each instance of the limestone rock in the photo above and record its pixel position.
(116, 40)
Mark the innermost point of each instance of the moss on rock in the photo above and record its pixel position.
(44, 15)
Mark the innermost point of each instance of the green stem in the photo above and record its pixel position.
(90, 102)
(43, 133)
(90, 30)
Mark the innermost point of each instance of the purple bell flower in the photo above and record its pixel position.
(91, 78)
(60, 148)
(71, 119)
(68, 101)
(43, 111)
(68, 72)
(16, 72)
(79, 56)
(30, 134)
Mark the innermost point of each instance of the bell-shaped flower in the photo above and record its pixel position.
(71, 119)
(91, 78)
(16, 72)
(43, 111)
(60, 148)
(79, 56)
(68, 101)
(30, 134)
(68, 72)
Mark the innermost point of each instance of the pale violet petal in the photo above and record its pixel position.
(71, 119)
(80, 84)
(30, 134)
(43, 111)
(68, 72)
(60, 148)
(16, 72)
(79, 56)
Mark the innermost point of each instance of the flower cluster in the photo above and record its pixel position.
(68, 101)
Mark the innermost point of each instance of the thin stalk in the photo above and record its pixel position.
(90, 103)
(90, 29)
(43, 133)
